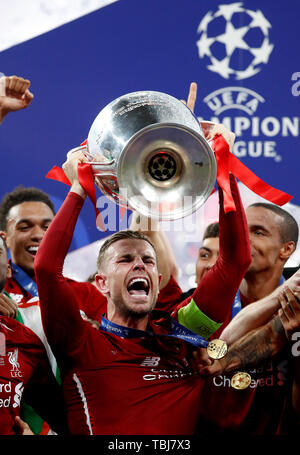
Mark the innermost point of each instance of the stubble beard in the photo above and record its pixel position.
(139, 313)
(135, 312)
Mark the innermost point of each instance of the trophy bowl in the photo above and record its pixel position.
(148, 152)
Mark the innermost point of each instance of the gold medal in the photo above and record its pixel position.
(240, 380)
(216, 349)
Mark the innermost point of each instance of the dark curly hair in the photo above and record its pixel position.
(19, 195)
(212, 231)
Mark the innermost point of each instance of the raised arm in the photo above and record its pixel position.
(259, 312)
(253, 349)
(290, 318)
(212, 301)
(265, 343)
(62, 322)
(14, 95)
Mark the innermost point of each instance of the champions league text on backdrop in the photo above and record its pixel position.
(260, 129)
(252, 41)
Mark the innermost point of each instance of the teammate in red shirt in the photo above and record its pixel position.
(261, 408)
(129, 377)
(25, 214)
(25, 372)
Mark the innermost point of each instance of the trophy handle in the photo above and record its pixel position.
(103, 168)
(211, 129)
(208, 129)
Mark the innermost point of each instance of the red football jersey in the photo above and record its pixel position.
(126, 386)
(89, 299)
(115, 385)
(25, 372)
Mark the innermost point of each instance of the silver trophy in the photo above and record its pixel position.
(148, 152)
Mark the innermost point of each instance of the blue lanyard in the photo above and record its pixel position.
(237, 304)
(24, 280)
(177, 331)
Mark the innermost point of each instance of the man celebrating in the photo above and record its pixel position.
(262, 408)
(14, 95)
(25, 372)
(133, 376)
(25, 214)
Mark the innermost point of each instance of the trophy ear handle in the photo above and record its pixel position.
(208, 129)
(82, 148)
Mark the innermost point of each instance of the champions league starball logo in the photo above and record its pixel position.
(235, 41)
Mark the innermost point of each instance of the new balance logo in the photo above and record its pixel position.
(151, 362)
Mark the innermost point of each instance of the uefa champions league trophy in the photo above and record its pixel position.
(148, 152)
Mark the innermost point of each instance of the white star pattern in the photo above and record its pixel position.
(204, 44)
(221, 67)
(236, 41)
(228, 10)
(248, 72)
(233, 38)
(259, 20)
(262, 53)
(205, 21)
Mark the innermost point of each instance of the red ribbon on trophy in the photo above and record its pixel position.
(226, 163)
(86, 180)
(229, 163)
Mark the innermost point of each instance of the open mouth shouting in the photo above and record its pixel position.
(139, 288)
